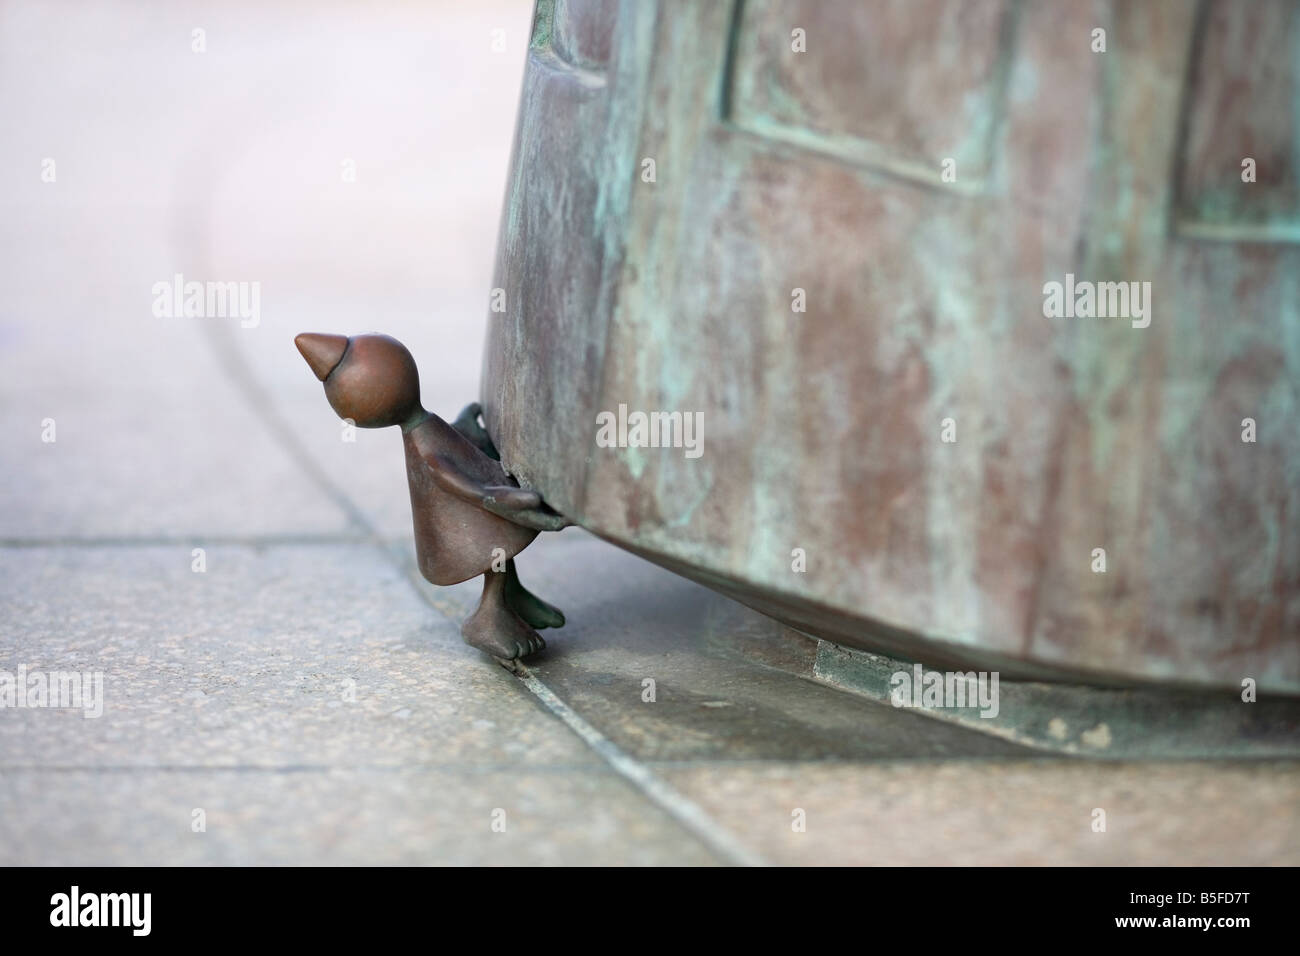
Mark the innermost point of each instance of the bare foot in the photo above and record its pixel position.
(528, 605)
(496, 629)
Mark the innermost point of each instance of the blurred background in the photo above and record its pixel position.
(232, 164)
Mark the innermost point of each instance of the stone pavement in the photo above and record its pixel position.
(295, 687)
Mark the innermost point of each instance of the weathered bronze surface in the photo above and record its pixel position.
(470, 516)
(822, 171)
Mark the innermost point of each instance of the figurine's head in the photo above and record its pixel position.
(369, 378)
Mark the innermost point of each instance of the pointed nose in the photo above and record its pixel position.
(322, 352)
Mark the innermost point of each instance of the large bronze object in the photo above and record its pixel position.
(853, 238)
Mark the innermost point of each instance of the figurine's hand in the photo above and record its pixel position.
(539, 519)
(509, 498)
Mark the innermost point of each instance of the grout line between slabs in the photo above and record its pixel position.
(681, 808)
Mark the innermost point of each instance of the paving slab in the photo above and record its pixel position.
(993, 813)
(128, 463)
(310, 656)
(718, 693)
(408, 817)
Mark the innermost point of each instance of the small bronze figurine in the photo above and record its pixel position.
(470, 516)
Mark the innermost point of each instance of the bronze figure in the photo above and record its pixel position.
(471, 517)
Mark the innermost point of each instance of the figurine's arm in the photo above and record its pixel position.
(517, 505)
(492, 497)
(467, 423)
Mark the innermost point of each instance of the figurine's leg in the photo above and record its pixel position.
(467, 424)
(527, 604)
(494, 628)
